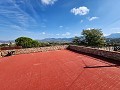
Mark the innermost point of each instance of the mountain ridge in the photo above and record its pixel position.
(113, 35)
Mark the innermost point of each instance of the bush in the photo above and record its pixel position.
(35, 43)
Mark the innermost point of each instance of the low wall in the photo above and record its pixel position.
(11, 48)
(32, 50)
(107, 54)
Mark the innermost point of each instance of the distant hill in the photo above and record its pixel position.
(3, 41)
(113, 35)
(45, 40)
(57, 40)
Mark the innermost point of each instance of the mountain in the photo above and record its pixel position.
(2, 41)
(45, 40)
(113, 35)
(57, 40)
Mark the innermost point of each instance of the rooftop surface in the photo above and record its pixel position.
(57, 70)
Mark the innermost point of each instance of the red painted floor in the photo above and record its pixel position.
(57, 70)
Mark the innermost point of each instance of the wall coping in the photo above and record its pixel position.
(96, 49)
(33, 50)
(102, 53)
(36, 47)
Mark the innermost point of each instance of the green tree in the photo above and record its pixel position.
(93, 37)
(26, 42)
(76, 40)
(35, 43)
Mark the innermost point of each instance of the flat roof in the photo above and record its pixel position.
(57, 70)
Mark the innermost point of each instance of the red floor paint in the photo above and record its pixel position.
(57, 70)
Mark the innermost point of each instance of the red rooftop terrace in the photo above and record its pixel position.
(58, 70)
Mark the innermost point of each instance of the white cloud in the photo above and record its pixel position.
(106, 34)
(80, 11)
(48, 2)
(90, 28)
(66, 34)
(81, 21)
(57, 34)
(60, 26)
(16, 17)
(16, 27)
(92, 18)
(43, 33)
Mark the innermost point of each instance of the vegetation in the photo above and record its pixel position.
(92, 37)
(76, 40)
(113, 41)
(35, 43)
(4, 45)
(95, 38)
(26, 42)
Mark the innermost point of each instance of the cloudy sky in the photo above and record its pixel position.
(40, 19)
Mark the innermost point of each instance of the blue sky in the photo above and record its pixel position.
(40, 19)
